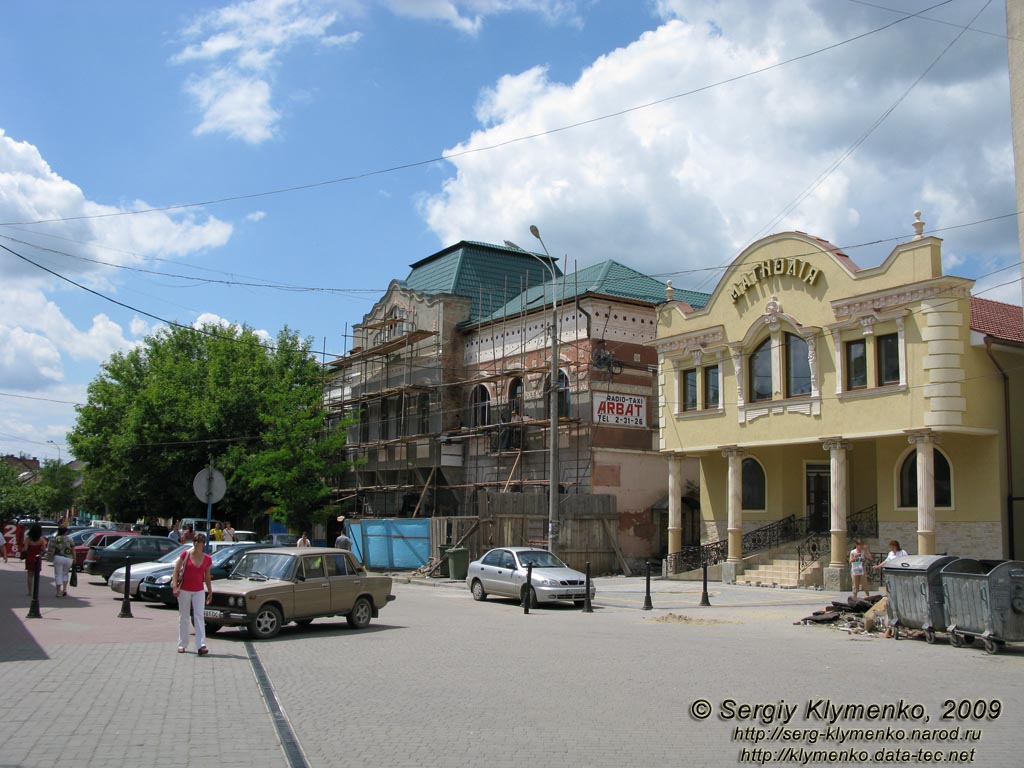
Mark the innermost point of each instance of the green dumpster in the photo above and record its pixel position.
(458, 562)
(443, 569)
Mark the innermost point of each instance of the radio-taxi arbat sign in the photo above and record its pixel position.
(620, 410)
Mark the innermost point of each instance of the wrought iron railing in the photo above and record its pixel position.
(760, 539)
(862, 524)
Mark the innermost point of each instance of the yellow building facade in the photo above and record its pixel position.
(812, 389)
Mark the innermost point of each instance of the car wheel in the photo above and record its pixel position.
(267, 622)
(533, 596)
(362, 611)
(303, 622)
(213, 629)
(478, 591)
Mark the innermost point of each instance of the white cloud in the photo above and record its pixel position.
(468, 15)
(256, 216)
(27, 360)
(210, 318)
(687, 183)
(239, 48)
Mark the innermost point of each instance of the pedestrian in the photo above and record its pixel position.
(860, 558)
(33, 548)
(215, 533)
(63, 552)
(343, 541)
(175, 534)
(187, 535)
(228, 533)
(303, 541)
(190, 582)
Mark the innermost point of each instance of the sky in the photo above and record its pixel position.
(278, 162)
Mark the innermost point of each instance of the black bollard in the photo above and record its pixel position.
(74, 573)
(126, 604)
(648, 605)
(587, 607)
(704, 595)
(33, 609)
(529, 588)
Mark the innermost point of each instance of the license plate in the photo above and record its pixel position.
(212, 614)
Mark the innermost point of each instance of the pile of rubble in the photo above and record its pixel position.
(866, 615)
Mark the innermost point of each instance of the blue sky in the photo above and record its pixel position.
(121, 106)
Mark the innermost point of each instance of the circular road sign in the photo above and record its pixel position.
(209, 486)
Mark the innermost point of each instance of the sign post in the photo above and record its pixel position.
(209, 486)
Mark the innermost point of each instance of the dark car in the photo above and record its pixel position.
(99, 539)
(141, 549)
(156, 585)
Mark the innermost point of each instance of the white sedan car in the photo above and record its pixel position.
(140, 570)
(502, 573)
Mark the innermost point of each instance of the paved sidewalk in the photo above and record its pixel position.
(86, 688)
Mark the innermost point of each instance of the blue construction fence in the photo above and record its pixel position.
(390, 544)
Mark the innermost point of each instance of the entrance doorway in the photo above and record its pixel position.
(819, 500)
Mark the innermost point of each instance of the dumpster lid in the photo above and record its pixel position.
(918, 562)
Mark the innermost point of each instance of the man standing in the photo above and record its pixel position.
(228, 533)
(343, 541)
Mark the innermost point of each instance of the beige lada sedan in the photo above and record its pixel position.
(273, 587)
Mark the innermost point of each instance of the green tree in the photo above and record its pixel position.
(158, 414)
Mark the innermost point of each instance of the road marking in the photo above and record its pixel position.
(289, 742)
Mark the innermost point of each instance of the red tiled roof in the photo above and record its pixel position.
(996, 319)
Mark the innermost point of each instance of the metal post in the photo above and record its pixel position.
(126, 604)
(33, 609)
(704, 595)
(647, 597)
(587, 607)
(529, 588)
(74, 570)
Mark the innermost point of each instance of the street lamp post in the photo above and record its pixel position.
(60, 456)
(553, 393)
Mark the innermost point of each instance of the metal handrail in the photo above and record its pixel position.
(766, 537)
(862, 524)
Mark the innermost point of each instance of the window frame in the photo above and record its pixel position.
(788, 363)
(750, 461)
(479, 406)
(880, 349)
(710, 373)
(910, 494)
(848, 346)
(764, 348)
(688, 400)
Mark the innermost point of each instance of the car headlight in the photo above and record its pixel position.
(547, 582)
(236, 602)
(163, 579)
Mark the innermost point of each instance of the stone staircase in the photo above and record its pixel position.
(780, 568)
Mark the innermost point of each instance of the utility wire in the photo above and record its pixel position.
(464, 152)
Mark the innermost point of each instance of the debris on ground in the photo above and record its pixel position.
(858, 616)
(674, 618)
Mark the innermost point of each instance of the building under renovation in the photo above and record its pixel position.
(448, 383)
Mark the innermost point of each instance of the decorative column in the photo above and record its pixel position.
(924, 442)
(735, 456)
(675, 511)
(839, 492)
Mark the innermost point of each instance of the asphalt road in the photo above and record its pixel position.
(440, 680)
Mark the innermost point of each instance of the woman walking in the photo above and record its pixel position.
(63, 551)
(33, 546)
(190, 582)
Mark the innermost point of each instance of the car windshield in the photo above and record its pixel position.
(540, 559)
(120, 543)
(174, 554)
(267, 565)
(223, 554)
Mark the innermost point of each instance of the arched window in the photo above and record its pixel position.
(943, 481)
(515, 397)
(563, 396)
(753, 485)
(761, 372)
(479, 407)
(798, 367)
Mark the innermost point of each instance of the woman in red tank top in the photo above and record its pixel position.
(34, 546)
(192, 584)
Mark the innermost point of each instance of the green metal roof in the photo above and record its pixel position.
(609, 278)
(486, 274)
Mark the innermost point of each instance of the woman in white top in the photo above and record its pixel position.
(304, 541)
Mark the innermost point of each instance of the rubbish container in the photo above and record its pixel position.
(984, 599)
(458, 562)
(914, 586)
(443, 569)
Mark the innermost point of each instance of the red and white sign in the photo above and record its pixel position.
(620, 410)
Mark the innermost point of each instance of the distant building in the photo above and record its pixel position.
(450, 380)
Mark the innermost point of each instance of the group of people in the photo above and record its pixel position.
(187, 534)
(35, 546)
(861, 559)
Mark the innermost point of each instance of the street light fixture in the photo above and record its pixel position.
(553, 393)
(60, 456)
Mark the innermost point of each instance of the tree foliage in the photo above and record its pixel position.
(158, 414)
(49, 497)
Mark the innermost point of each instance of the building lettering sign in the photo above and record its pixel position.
(762, 270)
(620, 410)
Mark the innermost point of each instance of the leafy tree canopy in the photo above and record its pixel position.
(158, 414)
(48, 498)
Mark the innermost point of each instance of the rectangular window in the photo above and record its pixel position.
(887, 348)
(689, 393)
(856, 364)
(711, 386)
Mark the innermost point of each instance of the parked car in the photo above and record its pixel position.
(280, 540)
(100, 538)
(156, 585)
(502, 572)
(272, 587)
(198, 523)
(141, 549)
(78, 537)
(139, 572)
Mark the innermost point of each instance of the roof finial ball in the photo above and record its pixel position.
(918, 226)
(669, 291)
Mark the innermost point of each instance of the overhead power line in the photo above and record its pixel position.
(462, 153)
